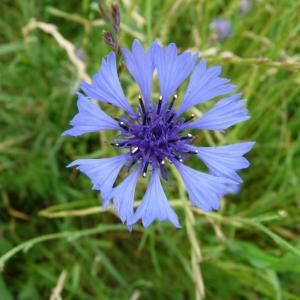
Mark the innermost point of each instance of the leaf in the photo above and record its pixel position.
(262, 259)
(4, 292)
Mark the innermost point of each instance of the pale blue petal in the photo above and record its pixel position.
(172, 68)
(102, 172)
(106, 86)
(155, 205)
(204, 190)
(233, 189)
(205, 84)
(140, 65)
(123, 195)
(90, 118)
(225, 113)
(224, 161)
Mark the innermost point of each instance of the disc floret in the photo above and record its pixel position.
(153, 137)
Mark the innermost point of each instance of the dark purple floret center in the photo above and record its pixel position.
(154, 138)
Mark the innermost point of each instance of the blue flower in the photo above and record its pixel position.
(221, 27)
(155, 134)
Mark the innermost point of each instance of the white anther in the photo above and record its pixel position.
(134, 150)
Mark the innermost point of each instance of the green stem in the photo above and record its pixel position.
(68, 235)
(149, 20)
(196, 256)
(258, 61)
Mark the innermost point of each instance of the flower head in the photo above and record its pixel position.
(221, 28)
(155, 134)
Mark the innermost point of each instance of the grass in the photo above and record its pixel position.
(53, 233)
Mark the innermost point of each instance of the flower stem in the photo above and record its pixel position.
(196, 256)
(68, 235)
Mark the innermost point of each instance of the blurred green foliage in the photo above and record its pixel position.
(250, 249)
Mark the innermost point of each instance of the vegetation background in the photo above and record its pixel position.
(54, 239)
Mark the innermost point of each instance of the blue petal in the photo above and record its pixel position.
(225, 113)
(205, 84)
(106, 86)
(224, 161)
(90, 118)
(123, 196)
(140, 65)
(172, 69)
(155, 205)
(204, 190)
(233, 189)
(102, 172)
